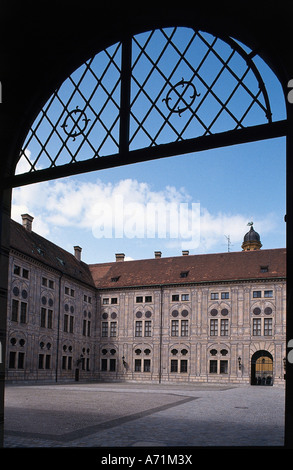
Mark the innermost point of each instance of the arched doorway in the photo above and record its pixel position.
(262, 368)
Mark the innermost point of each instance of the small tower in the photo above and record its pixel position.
(251, 240)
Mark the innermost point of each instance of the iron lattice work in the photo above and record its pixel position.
(141, 98)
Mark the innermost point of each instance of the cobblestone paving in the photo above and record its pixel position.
(134, 415)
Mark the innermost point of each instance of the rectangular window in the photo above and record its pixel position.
(139, 300)
(183, 366)
(20, 364)
(214, 296)
(23, 312)
(84, 327)
(43, 317)
(268, 327)
(48, 361)
(69, 363)
(51, 284)
(112, 365)
(138, 328)
(14, 313)
(104, 365)
(44, 281)
(64, 362)
(175, 328)
(257, 327)
(88, 328)
(148, 328)
(65, 323)
(105, 301)
(12, 359)
(113, 328)
(148, 298)
(224, 295)
(114, 300)
(71, 324)
(184, 327)
(16, 270)
(25, 273)
(175, 298)
(174, 365)
(256, 294)
(214, 328)
(104, 329)
(268, 293)
(185, 297)
(223, 367)
(147, 365)
(41, 361)
(50, 319)
(213, 367)
(137, 365)
(224, 327)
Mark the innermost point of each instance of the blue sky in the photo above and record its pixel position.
(222, 189)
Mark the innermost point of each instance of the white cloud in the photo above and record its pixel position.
(125, 206)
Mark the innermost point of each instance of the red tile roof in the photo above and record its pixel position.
(44, 251)
(219, 267)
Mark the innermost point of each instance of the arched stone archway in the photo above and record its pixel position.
(262, 368)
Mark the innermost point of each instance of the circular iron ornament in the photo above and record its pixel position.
(188, 89)
(76, 116)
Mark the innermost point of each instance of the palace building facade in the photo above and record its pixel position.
(192, 318)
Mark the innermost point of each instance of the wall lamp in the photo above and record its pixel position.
(124, 362)
(239, 363)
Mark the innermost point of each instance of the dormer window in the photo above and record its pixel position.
(115, 279)
(264, 269)
(184, 273)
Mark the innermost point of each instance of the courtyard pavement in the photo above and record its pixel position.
(143, 415)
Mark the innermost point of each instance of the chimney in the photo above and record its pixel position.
(185, 252)
(77, 252)
(120, 257)
(158, 254)
(27, 221)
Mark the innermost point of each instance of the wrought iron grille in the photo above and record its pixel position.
(160, 87)
(194, 85)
